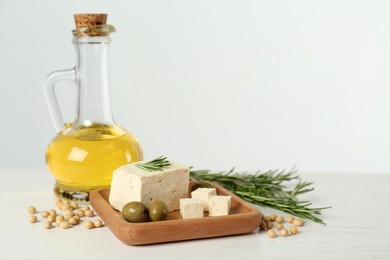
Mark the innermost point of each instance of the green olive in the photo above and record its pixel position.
(158, 211)
(135, 212)
(201, 184)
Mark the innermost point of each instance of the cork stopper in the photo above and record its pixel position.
(90, 24)
(89, 20)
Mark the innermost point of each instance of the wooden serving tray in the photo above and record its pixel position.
(243, 218)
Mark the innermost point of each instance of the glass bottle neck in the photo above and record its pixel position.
(93, 80)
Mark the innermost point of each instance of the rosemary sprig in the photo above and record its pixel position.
(265, 189)
(154, 165)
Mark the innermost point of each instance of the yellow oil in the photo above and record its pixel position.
(83, 159)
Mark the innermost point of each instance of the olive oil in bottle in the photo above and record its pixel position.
(84, 160)
(84, 154)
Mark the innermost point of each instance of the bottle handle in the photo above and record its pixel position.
(50, 95)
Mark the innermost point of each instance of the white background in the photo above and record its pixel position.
(213, 84)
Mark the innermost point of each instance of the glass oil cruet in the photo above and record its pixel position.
(84, 153)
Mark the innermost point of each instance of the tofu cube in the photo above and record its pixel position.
(203, 194)
(219, 205)
(191, 208)
(130, 183)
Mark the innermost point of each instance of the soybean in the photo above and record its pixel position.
(47, 225)
(98, 223)
(89, 213)
(263, 226)
(44, 214)
(65, 225)
(279, 219)
(85, 208)
(73, 221)
(297, 223)
(31, 210)
(68, 212)
(279, 226)
(270, 225)
(51, 218)
(60, 218)
(290, 219)
(283, 232)
(74, 205)
(65, 206)
(89, 224)
(271, 233)
(32, 219)
(80, 213)
(293, 230)
(59, 205)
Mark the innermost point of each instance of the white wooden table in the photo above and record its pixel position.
(358, 226)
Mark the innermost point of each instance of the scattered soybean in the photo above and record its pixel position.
(279, 219)
(98, 223)
(47, 225)
(271, 233)
(65, 225)
(73, 221)
(283, 232)
(80, 213)
(279, 226)
(89, 224)
(263, 226)
(32, 219)
(290, 219)
(270, 225)
(31, 210)
(44, 214)
(298, 222)
(51, 218)
(293, 230)
(89, 213)
(74, 205)
(52, 212)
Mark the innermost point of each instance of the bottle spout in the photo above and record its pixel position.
(97, 30)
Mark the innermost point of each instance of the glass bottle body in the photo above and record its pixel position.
(84, 160)
(84, 154)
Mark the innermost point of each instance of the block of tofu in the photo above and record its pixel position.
(203, 194)
(191, 208)
(219, 205)
(130, 183)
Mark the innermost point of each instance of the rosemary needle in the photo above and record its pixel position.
(154, 165)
